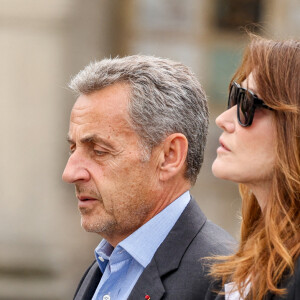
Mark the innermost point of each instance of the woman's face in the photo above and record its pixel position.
(246, 154)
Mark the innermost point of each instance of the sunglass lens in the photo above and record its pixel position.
(245, 108)
(232, 100)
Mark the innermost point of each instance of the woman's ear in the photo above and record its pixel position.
(173, 156)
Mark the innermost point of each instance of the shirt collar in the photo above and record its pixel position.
(103, 252)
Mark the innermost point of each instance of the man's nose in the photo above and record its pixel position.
(75, 170)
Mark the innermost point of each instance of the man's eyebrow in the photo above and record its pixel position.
(93, 138)
(69, 140)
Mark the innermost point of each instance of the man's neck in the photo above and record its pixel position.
(168, 194)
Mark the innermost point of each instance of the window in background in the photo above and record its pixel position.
(234, 14)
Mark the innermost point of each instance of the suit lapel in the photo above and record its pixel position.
(89, 284)
(149, 283)
(169, 254)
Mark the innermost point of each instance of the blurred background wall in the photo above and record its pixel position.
(43, 250)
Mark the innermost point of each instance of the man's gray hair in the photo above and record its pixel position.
(165, 98)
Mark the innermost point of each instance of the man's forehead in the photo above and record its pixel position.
(112, 99)
(87, 121)
(83, 110)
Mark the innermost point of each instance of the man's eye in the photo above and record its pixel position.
(72, 150)
(99, 152)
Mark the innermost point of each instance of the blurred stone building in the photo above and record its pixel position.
(43, 250)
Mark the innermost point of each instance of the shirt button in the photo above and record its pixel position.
(106, 297)
(102, 259)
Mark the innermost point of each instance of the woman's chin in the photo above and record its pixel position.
(222, 171)
(218, 170)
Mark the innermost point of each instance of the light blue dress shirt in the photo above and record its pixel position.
(123, 265)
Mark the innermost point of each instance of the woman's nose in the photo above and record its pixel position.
(227, 120)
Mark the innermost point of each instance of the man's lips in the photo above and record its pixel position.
(85, 198)
(85, 201)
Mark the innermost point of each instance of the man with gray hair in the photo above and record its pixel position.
(137, 136)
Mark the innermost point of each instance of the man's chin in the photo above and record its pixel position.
(89, 226)
(95, 225)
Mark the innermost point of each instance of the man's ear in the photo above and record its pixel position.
(173, 156)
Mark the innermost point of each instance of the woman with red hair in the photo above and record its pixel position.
(260, 150)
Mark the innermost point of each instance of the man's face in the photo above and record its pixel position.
(115, 187)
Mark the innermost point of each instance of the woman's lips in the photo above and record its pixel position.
(223, 147)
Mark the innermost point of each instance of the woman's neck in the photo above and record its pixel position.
(261, 192)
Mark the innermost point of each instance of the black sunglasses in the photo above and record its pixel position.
(246, 102)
